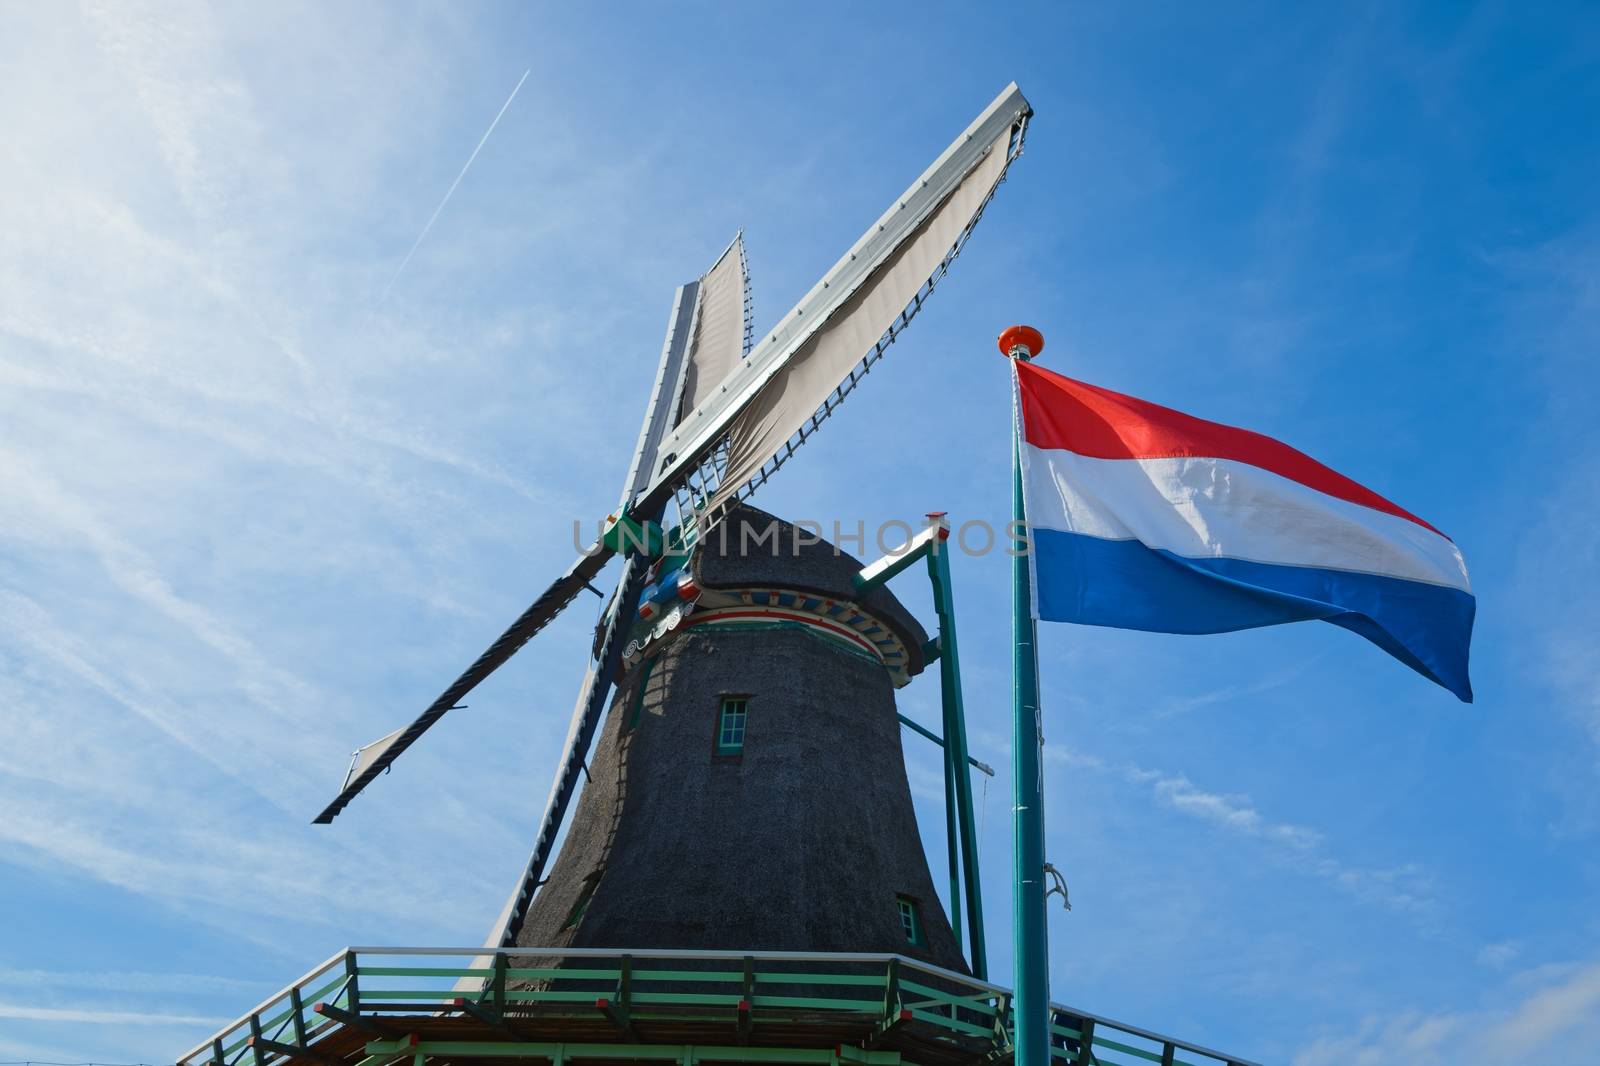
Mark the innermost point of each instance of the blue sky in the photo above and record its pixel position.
(252, 513)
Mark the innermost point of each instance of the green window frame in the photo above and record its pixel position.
(910, 920)
(732, 719)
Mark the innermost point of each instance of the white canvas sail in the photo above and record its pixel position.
(719, 328)
(791, 396)
(700, 438)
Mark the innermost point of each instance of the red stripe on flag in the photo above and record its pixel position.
(1058, 412)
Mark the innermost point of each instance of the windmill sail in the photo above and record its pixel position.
(915, 239)
(376, 757)
(368, 754)
(719, 328)
(661, 415)
(802, 387)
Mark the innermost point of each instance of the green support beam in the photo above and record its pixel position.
(956, 755)
(350, 1018)
(487, 1015)
(917, 727)
(875, 574)
(394, 1051)
(352, 984)
(260, 1044)
(297, 1014)
(960, 832)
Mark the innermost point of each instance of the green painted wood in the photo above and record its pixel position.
(297, 1010)
(868, 1006)
(900, 564)
(519, 973)
(352, 984)
(983, 1003)
(278, 1019)
(1102, 1042)
(728, 976)
(957, 756)
(953, 771)
(257, 1052)
(715, 999)
(948, 1022)
(1086, 1043)
(418, 971)
(776, 977)
(443, 995)
(521, 995)
(320, 994)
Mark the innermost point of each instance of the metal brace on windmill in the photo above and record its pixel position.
(704, 785)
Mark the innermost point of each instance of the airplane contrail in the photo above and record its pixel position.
(451, 191)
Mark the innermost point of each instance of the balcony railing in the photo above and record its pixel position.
(374, 1006)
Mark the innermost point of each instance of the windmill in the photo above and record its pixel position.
(724, 415)
(753, 690)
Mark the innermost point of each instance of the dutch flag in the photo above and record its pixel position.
(1143, 517)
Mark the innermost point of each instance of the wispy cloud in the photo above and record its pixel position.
(1499, 954)
(1406, 888)
(139, 981)
(231, 497)
(78, 1016)
(1226, 694)
(1557, 1019)
(1551, 320)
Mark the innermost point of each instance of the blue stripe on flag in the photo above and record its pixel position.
(1126, 585)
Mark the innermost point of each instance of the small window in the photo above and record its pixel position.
(730, 726)
(910, 920)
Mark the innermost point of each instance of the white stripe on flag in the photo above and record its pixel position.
(1221, 508)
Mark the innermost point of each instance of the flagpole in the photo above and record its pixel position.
(1030, 949)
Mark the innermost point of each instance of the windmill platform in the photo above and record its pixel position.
(404, 1006)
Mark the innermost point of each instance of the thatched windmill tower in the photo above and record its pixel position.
(748, 790)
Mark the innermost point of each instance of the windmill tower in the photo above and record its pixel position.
(748, 790)
(742, 879)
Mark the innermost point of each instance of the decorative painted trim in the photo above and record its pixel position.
(840, 621)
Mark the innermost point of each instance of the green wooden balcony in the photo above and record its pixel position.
(377, 1006)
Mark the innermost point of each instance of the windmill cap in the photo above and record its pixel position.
(731, 557)
(1024, 337)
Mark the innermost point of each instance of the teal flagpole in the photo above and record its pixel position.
(1030, 949)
